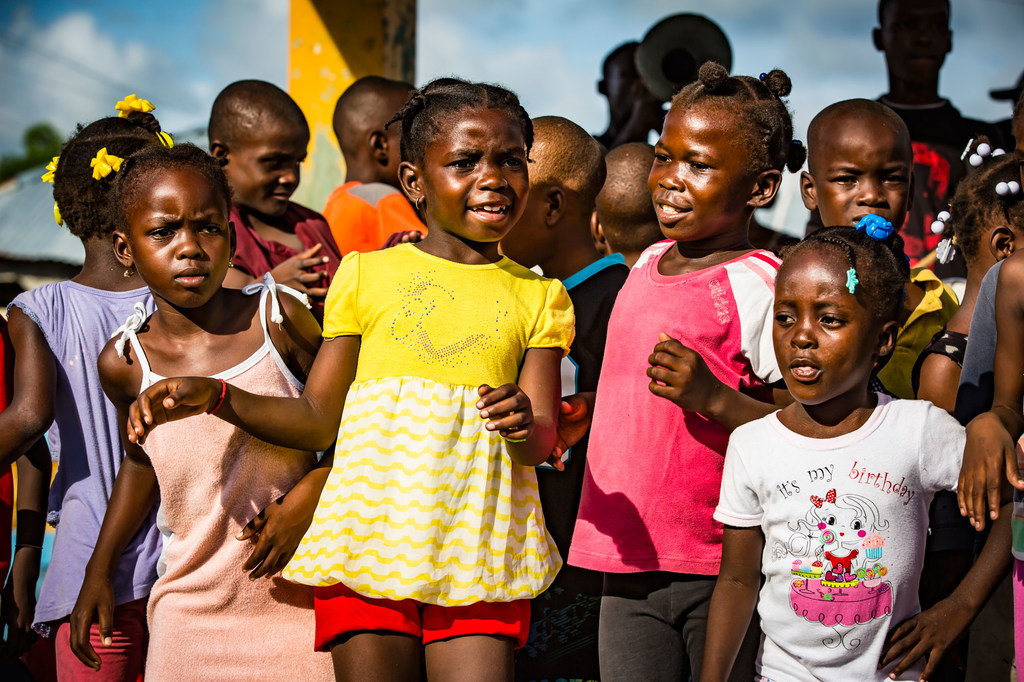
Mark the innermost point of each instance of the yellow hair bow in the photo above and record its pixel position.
(56, 214)
(133, 103)
(104, 164)
(51, 168)
(165, 139)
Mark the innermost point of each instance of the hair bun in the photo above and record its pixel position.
(778, 83)
(145, 120)
(796, 157)
(712, 75)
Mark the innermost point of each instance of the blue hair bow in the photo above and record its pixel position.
(875, 226)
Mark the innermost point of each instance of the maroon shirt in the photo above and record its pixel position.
(257, 256)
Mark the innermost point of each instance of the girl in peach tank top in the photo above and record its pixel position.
(204, 611)
(218, 487)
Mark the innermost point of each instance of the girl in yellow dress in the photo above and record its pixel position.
(441, 363)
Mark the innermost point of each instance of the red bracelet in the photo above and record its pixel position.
(223, 392)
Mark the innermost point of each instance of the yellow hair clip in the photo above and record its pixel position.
(133, 103)
(56, 214)
(51, 168)
(165, 139)
(104, 164)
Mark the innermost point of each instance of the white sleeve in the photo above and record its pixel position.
(942, 440)
(738, 502)
(753, 284)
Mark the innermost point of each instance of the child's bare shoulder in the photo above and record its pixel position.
(120, 371)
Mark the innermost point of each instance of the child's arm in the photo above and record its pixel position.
(681, 375)
(18, 602)
(934, 631)
(279, 527)
(940, 377)
(30, 412)
(733, 601)
(132, 498)
(525, 414)
(992, 436)
(309, 422)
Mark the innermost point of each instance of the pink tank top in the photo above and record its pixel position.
(207, 620)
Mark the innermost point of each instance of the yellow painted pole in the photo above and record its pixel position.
(331, 44)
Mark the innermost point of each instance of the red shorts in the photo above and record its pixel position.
(340, 611)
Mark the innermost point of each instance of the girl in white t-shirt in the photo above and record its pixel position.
(828, 497)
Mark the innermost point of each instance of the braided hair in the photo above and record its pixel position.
(84, 202)
(430, 108)
(769, 126)
(881, 265)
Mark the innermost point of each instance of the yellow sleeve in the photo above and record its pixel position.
(556, 324)
(341, 309)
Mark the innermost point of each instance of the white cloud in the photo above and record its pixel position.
(73, 70)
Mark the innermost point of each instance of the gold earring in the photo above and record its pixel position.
(419, 203)
(128, 272)
(231, 263)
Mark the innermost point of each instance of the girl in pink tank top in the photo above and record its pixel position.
(208, 619)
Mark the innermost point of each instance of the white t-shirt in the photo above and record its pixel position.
(844, 521)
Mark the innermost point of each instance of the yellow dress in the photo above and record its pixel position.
(423, 502)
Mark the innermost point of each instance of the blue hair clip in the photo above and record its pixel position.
(875, 226)
(851, 280)
(762, 77)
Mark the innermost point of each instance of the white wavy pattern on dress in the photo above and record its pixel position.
(424, 503)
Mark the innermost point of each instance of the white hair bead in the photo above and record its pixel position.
(1002, 189)
(984, 149)
(998, 152)
(943, 216)
(938, 227)
(975, 160)
(1014, 186)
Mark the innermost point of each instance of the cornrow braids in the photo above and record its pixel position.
(155, 159)
(428, 110)
(977, 207)
(769, 129)
(85, 203)
(881, 266)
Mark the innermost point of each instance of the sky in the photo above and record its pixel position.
(68, 61)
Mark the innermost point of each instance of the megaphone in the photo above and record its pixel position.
(673, 50)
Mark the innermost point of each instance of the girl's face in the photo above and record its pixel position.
(700, 182)
(847, 525)
(179, 238)
(826, 341)
(473, 177)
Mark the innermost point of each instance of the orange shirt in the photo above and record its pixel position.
(363, 216)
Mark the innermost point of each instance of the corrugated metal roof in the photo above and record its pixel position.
(27, 229)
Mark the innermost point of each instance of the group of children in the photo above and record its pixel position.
(285, 450)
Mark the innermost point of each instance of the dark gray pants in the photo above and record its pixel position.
(652, 628)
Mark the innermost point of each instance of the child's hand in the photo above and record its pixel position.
(168, 400)
(575, 413)
(930, 633)
(681, 375)
(404, 237)
(297, 272)
(989, 449)
(279, 527)
(18, 604)
(508, 410)
(95, 602)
